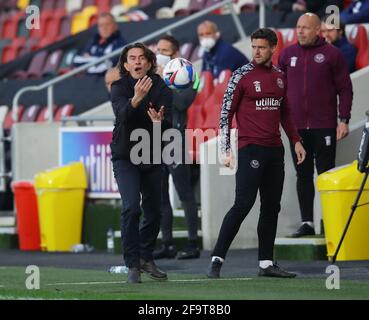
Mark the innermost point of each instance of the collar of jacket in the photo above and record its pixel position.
(320, 41)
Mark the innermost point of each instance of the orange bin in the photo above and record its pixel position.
(27, 215)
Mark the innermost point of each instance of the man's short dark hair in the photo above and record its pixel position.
(149, 55)
(174, 42)
(267, 34)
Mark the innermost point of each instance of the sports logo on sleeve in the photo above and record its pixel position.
(293, 61)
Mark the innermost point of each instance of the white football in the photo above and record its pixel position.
(179, 73)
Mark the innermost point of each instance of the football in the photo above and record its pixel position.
(179, 73)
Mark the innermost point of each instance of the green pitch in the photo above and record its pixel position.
(87, 284)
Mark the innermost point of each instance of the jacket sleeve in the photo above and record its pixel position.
(287, 123)
(122, 106)
(282, 61)
(343, 86)
(183, 98)
(231, 100)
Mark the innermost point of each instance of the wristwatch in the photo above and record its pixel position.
(344, 120)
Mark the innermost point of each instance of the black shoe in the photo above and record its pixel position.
(275, 271)
(189, 252)
(214, 269)
(304, 230)
(152, 270)
(165, 251)
(134, 275)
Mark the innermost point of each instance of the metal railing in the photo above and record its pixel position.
(49, 85)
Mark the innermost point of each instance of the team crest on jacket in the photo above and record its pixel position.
(319, 58)
(254, 164)
(280, 83)
(257, 85)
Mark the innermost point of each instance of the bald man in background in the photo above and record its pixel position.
(218, 55)
(317, 74)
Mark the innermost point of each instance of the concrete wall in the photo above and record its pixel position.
(35, 148)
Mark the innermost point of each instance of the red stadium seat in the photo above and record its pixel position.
(10, 25)
(43, 116)
(34, 68)
(8, 122)
(48, 5)
(31, 113)
(144, 3)
(194, 116)
(212, 106)
(64, 111)
(11, 51)
(46, 17)
(279, 48)
(65, 26)
(52, 63)
(290, 37)
(359, 38)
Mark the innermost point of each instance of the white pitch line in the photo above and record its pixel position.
(121, 282)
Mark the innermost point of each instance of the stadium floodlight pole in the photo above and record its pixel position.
(116, 52)
(363, 167)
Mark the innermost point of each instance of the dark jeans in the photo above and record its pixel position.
(134, 181)
(259, 168)
(320, 145)
(181, 175)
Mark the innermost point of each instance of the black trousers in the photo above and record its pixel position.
(320, 146)
(259, 168)
(134, 181)
(181, 175)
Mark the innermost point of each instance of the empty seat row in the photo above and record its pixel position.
(36, 113)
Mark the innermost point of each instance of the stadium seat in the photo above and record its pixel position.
(8, 122)
(11, 51)
(279, 48)
(290, 37)
(47, 5)
(118, 10)
(86, 3)
(81, 21)
(52, 63)
(60, 4)
(103, 5)
(35, 67)
(65, 26)
(43, 116)
(29, 46)
(359, 38)
(186, 50)
(130, 3)
(3, 112)
(144, 3)
(64, 111)
(180, 7)
(53, 25)
(210, 3)
(211, 108)
(73, 5)
(10, 25)
(22, 30)
(3, 44)
(194, 116)
(31, 113)
(22, 4)
(67, 61)
(46, 16)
